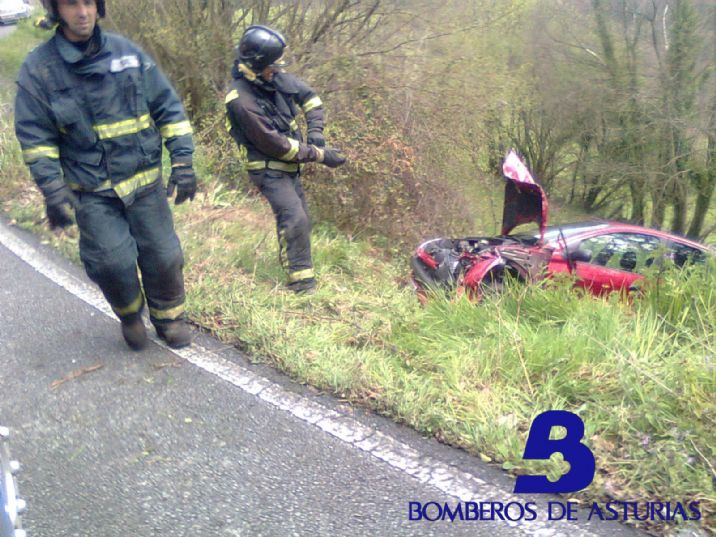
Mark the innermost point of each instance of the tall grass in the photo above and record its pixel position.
(640, 375)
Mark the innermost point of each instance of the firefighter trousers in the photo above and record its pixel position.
(116, 239)
(285, 194)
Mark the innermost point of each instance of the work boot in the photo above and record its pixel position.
(134, 332)
(303, 287)
(176, 334)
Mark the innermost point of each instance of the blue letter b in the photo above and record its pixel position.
(539, 446)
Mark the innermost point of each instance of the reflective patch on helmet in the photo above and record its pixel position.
(118, 65)
(231, 96)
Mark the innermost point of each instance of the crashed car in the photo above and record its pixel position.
(602, 256)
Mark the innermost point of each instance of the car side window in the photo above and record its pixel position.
(683, 255)
(631, 252)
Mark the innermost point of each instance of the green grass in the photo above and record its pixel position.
(16, 46)
(641, 375)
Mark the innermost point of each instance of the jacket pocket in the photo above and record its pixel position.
(131, 92)
(151, 143)
(74, 125)
(123, 157)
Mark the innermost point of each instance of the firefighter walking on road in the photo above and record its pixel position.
(90, 114)
(262, 106)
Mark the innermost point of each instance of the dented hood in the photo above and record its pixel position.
(525, 201)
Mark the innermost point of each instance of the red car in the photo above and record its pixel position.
(604, 256)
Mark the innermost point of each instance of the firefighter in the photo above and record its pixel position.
(90, 114)
(262, 105)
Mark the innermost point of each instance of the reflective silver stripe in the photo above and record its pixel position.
(133, 307)
(122, 128)
(126, 187)
(36, 153)
(176, 129)
(300, 275)
(233, 94)
(288, 155)
(272, 165)
(312, 103)
(167, 315)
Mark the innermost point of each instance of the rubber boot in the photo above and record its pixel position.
(303, 287)
(134, 333)
(176, 334)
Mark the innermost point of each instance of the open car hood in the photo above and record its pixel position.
(525, 201)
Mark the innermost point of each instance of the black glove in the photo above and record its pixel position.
(332, 157)
(316, 138)
(58, 214)
(184, 180)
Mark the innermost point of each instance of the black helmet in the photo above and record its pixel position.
(260, 46)
(51, 8)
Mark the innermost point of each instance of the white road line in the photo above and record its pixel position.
(425, 469)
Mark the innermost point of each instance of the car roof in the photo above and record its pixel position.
(586, 227)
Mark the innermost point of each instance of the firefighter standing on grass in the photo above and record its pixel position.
(90, 114)
(262, 106)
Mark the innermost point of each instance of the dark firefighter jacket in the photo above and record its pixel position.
(262, 117)
(96, 122)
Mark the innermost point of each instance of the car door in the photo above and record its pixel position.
(617, 262)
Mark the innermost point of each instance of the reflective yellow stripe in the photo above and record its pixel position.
(167, 315)
(232, 95)
(293, 125)
(248, 73)
(122, 128)
(310, 104)
(227, 123)
(176, 129)
(104, 185)
(133, 307)
(300, 275)
(126, 187)
(272, 165)
(288, 155)
(36, 153)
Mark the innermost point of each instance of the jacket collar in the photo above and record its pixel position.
(69, 52)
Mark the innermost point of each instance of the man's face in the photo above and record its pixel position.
(268, 72)
(79, 18)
